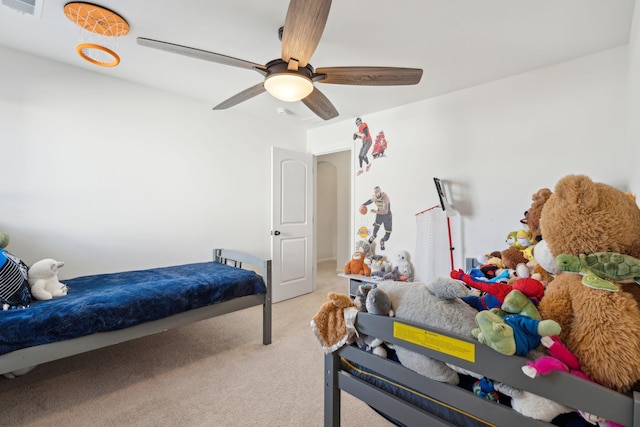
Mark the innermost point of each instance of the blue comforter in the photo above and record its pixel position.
(109, 302)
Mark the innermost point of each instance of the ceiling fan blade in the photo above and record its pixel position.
(370, 76)
(303, 28)
(320, 104)
(241, 97)
(200, 54)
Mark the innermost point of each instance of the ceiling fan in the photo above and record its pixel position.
(291, 77)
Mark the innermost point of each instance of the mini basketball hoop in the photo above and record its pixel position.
(100, 30)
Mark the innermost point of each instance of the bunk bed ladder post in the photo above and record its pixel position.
(266, 308)
(331, 390)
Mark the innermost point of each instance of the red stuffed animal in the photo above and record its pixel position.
(494, 293)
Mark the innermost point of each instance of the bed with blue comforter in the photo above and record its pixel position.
(106, 309)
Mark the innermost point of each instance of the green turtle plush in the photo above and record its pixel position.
(599, 269)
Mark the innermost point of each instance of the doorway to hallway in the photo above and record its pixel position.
(333, 207)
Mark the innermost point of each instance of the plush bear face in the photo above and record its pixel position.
(532, 215)
(512, 256)
(582, 216)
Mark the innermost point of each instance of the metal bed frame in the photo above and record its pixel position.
(32, 356)
(561, 387)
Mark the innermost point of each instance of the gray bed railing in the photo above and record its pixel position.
(561, 387)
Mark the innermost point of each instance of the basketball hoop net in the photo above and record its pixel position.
(100, 30)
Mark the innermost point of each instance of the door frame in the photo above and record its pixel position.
(346, 240)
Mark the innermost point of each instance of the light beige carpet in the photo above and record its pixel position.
(212, 373)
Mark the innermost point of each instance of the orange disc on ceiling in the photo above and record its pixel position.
(98, 55)
(96, 19)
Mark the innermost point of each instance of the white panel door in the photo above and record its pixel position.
(291, 223)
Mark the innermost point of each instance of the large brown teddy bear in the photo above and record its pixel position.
(601, 328)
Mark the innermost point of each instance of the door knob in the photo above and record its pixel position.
(275, 233)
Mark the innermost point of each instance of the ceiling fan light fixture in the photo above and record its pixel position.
(288, 87)
(291, 77)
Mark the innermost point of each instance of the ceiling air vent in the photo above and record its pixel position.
(27, 7)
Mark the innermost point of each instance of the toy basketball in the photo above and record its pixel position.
(363, 209)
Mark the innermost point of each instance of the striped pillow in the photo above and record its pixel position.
(14, 288)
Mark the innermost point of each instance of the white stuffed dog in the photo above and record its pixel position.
(43, 279)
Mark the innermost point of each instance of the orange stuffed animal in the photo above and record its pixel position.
(357, 265)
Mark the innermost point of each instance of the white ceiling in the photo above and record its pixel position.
(458, 44)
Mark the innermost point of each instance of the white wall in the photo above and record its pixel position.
(107, 175)
(494, 145)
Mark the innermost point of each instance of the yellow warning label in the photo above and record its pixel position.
(431, 340)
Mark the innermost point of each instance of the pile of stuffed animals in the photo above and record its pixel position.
(583, 251)
(20, 284)
(585, 241)
(364, 262)
(564, 293)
